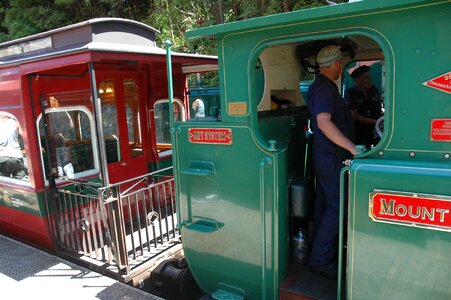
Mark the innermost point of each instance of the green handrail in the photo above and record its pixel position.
(340, 228)
(172, 128)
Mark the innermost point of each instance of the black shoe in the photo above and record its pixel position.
(329, 271)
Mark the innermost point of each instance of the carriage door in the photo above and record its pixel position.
(122, 98)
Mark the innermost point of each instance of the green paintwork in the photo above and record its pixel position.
(222, 222)
(29, 201)
(161, 164)
(23, 199)
(389, 261)
(234, 215)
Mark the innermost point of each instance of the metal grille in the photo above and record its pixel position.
(124, 224)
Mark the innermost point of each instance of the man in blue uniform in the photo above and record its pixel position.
(365, 103)
(332, 126)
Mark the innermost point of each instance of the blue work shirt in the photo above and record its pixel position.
(323, 97)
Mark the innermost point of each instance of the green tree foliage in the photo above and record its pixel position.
(25, 17)
(173, 18)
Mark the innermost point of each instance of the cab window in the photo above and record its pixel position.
(287, 78)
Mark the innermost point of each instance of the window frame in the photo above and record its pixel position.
(167, 153)
(94, 142)
(389, 73)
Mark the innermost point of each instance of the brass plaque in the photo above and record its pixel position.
(237, 108)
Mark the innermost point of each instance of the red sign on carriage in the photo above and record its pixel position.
(417, 210)
(221, 136)
(442, 83)
(441, 130)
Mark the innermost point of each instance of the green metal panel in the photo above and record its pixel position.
(391, 261)
(224, 244)
(233, 236)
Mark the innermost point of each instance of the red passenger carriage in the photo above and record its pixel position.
(91, 102)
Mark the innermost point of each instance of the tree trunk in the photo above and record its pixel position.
(171, 29)
(286, 6)
(263, 3)
(220, 12)
(236, 9)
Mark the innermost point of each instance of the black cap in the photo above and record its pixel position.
(360, 71)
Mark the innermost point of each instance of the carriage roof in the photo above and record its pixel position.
(100, 34)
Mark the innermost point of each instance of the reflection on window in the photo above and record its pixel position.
(132, 114)
(12, 152)
(198, 107)
(67, 148)
(109, 121)
(204, 102)
(162, 124)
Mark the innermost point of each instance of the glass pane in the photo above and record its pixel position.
(12, 151)
(85, 128)
(63, 123)
(68, 154)
(109, 120)
(162, 126)
(132, 113)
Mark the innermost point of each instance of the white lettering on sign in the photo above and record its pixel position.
(441, 83)
(409, 209)
(221, 136)
(401, 210)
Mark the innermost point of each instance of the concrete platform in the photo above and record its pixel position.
(29, 273)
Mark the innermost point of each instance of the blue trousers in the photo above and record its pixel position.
(326, 209)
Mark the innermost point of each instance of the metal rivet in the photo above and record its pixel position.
(412, 154)
(446, 155)
(381, 153)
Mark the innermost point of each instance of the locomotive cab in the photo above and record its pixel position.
(277, 120)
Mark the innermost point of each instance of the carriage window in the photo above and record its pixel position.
(67, 146)
(109, 120)
(162, 126)
(12, 151)
(132, 114)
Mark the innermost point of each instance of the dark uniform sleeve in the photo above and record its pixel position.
(323, 101)
(350, 99)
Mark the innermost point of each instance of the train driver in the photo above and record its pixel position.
(332, 126)
(366, 105)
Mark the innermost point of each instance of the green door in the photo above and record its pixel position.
(399, 239)
(229, 229)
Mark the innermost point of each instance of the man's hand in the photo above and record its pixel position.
(334, 134)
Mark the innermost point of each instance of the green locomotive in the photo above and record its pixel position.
(235, 172)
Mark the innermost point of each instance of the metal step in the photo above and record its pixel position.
(302, 284)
